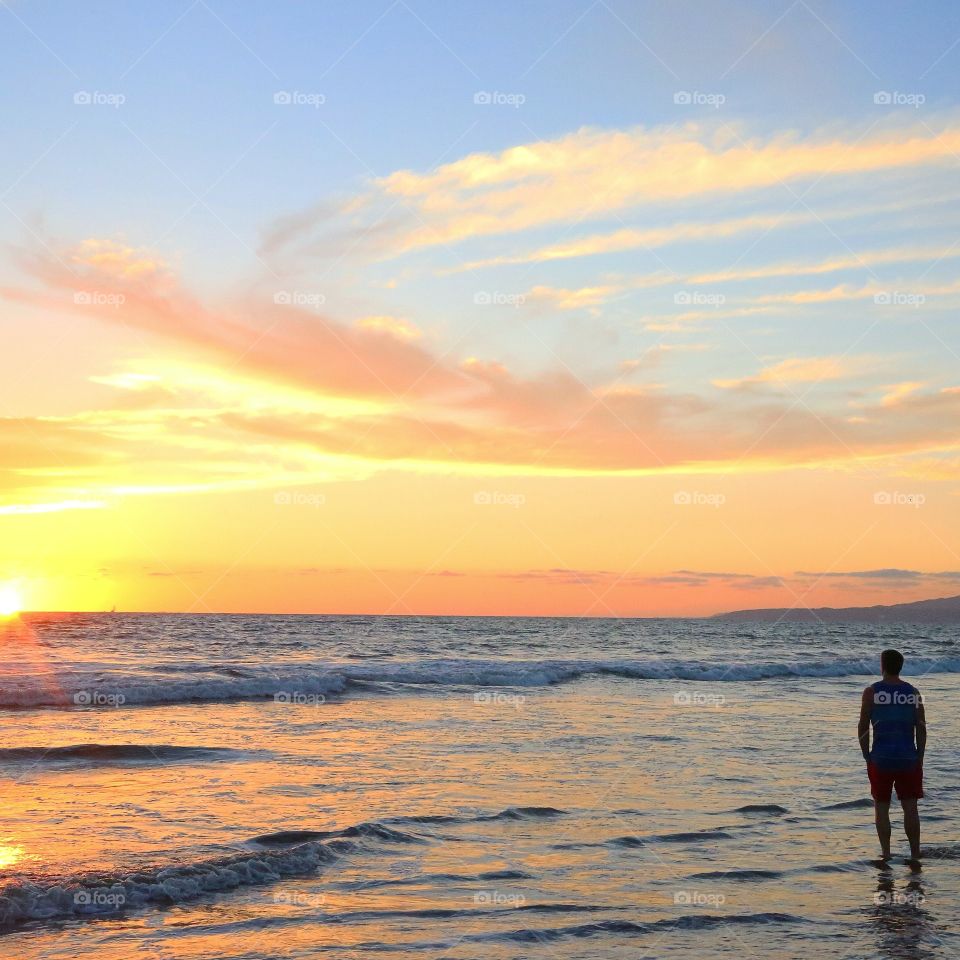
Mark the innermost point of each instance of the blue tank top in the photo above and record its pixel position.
(894, 720)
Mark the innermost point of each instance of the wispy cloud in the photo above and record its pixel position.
(802, 370)
(590, 174)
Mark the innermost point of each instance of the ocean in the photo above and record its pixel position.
(198, 786)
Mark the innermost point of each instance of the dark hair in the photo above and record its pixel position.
(891, 661)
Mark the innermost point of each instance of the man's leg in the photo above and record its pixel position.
(911, 825)
(881, 815)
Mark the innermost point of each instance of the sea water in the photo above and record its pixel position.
(296, 786)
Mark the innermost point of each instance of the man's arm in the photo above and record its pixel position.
(863, 727)
(921, 728)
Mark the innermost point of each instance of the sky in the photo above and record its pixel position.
(558, 308)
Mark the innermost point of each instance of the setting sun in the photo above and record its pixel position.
(10, 602)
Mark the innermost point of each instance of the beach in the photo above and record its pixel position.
(258, 787)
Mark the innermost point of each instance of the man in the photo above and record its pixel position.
(894, 708)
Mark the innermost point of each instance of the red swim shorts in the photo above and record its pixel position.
(909, 783)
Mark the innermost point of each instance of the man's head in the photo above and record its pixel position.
(891, 662)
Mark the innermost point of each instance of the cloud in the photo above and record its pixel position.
(609, 578)
(863, 260)
(801, 370)
(882, 294)
(681, 322)
(897, 392)
(654, 355)
(592, 173)
(562, 299)
(883, 575)
(285, 385)
(392, 326)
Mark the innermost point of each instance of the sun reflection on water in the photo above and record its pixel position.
(10, 854)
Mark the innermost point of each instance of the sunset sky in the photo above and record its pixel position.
(416, 307)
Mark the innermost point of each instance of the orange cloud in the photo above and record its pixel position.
(279, 377)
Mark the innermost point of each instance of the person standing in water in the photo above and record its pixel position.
(894, 710)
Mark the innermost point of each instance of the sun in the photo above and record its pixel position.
(10, 603)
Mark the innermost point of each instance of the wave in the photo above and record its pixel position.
(737, 876)
(372, 830)
(108, 754)
(522, 813)
(689, 922)
(309, 684)
(945, 852)
(422, 878)
(631, 841)
(288, 853)
(535, 673)
(581, 931)
(383, 829)
(850, 804)
(452, 913)
(85, 895)
(105, 691)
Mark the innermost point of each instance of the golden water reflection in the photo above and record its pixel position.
(10, 854)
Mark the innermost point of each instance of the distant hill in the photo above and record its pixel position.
(941, 610)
